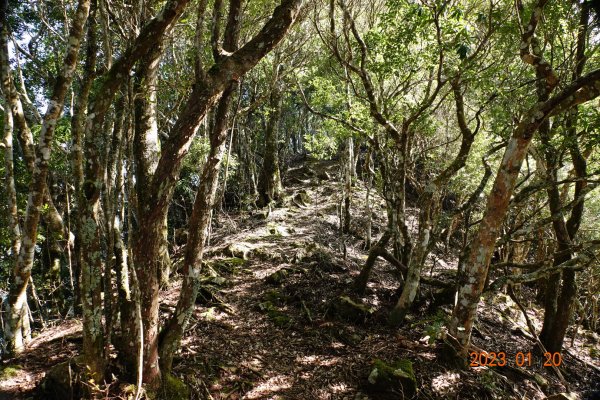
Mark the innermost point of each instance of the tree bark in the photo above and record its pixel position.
(207, 90)
(482, 247)
(199, 224)
(429, 210)
(270, 178)
(24, 264)
(95, 142)
(559, 303)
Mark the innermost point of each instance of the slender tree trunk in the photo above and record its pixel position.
(429, 209)
(24, 264)
(347, 168)
(559, 304)
(7, 143)
(369, 182)
(205, 93)
(270, 179)
(199, 224)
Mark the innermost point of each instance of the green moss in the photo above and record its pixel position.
(274, 296)
(172, 388)
(397, 375)
(277, 278)
(229, 265)
(10, 371)
(279, 319)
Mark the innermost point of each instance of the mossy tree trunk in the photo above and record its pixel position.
(429, 209)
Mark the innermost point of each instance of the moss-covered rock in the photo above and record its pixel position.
(301, 199)
(238, 250)
(229, 265)
(275, 297)
(278, 277)
(264, 254)
(394, 376)
(347, 309)
(279, 318)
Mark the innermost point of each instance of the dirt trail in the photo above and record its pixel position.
(268, 326)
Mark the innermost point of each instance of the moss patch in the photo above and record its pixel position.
(172, 388)
(278, 277)
(10, 371)
(393, 376)
(347, 309)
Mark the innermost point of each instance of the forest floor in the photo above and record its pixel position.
(277, 317)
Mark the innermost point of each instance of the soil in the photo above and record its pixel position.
(271, 326)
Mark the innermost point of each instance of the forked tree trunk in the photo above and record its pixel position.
(429, 209)
(199, 225)
(205, 93)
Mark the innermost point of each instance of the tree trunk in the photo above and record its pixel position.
(199, 224)
(559, 305)
(482, 247)
(270, 179)
(205, 93)
(24, 264)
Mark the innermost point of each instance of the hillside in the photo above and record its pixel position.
(277, 317)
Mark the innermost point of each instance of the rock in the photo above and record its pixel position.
(261, 215)
(302, 198)
(306, 171)
(229, 265)
(395, 376)
(348, 309)
(238, 250)
(206, 295)
(277, 277)
(63, 382)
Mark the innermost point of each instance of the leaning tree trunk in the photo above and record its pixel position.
(24, 264)
(199, 225)
(482, 247)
